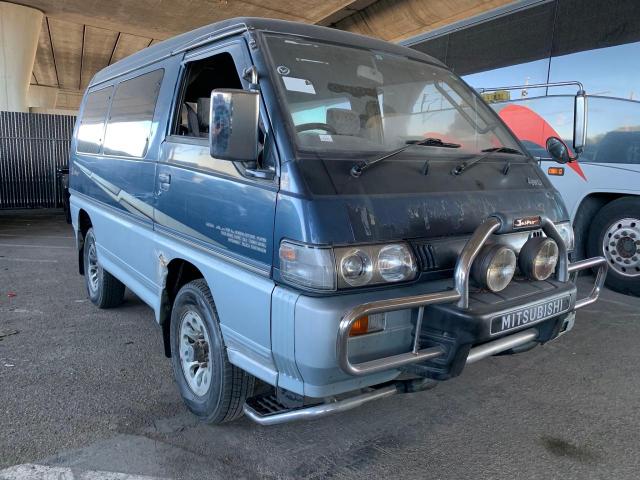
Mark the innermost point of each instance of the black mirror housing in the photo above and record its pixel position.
(558, 150)
(233, 124)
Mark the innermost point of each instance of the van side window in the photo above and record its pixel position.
(129, 126)
(218, 71)
(94, 115)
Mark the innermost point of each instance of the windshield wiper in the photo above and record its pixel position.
(360, 167)
(503, 150)
(486, 153)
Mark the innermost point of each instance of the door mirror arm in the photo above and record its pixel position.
(250, 74)
(258, 169)
(260, 173)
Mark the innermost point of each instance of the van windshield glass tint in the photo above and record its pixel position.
(352, 99)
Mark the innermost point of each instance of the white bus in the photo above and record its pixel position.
(541, 42)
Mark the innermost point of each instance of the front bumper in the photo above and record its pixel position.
(443, 330)
(446, 329)
(442, 352)
(456, 331)
(275, 414)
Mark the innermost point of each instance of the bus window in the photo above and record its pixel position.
(614, 131)
(536, 119)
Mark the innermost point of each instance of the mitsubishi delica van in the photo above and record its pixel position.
(318, 219)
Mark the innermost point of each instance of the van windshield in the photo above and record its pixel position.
(342, 98)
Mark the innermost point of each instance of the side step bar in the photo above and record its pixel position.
(324, 409)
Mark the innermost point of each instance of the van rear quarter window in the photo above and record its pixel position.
(91, 129)
(129, 126)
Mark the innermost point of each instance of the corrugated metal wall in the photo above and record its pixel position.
(32, 146)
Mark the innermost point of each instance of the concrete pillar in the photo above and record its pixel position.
(19, 32)
(40, 96)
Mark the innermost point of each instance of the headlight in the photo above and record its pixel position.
(494, 267)
(395, 263)
(374, 264)
(345, 267)
(356, 268)
(566, 232)
(307, 266)
(538, 258)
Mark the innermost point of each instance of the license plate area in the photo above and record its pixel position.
(529, 315)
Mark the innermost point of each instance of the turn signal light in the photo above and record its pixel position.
(359, 327)
(368, 324)
(288, 252)
(557, 171)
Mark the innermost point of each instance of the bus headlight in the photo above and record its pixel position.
(538, 258)
(494, 267)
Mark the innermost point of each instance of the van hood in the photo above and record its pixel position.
(397, 200)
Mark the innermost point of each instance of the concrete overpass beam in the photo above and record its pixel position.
(19, 31)
(42, 97)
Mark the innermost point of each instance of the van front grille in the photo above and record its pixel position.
(426, 256)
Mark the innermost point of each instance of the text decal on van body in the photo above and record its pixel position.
(243, 239)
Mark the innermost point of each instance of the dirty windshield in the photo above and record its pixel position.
(349, 99)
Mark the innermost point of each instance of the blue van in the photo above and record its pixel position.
(318, 219)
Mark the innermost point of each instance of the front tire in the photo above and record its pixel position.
(210, 386)
(615, 233)
(104, 290)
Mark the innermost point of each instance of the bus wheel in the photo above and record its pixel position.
(211, 387)
(615, 233)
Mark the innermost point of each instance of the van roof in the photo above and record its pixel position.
(209, 33)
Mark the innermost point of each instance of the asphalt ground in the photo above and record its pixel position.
(84, 390)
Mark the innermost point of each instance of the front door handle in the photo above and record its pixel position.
(164, 179)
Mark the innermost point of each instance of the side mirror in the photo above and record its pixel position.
(558, 150)
(579, 122)
(233, 125)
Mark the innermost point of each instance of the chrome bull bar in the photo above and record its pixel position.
(601, 275)
(375, 393)
(458, 294)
